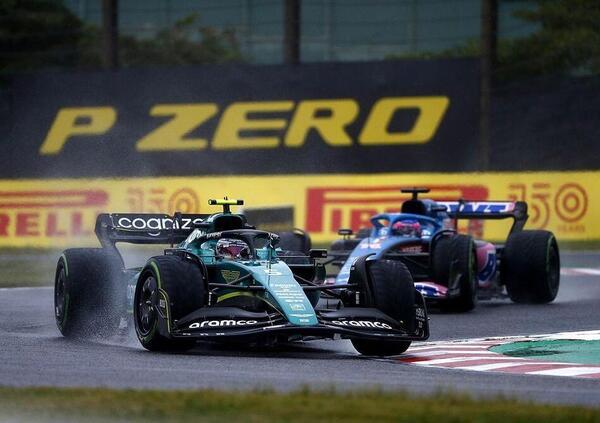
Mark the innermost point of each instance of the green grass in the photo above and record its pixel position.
(27, 267)
(36, 266)
(56, 404)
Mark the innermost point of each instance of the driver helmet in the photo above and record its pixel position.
(407, 228)
(232, 249)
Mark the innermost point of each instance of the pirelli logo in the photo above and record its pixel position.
(50, 213)
(40, 213)
(331, 208)
(259, 124)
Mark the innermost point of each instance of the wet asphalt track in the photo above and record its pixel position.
(33, 353)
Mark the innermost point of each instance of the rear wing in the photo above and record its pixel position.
(145, 228)
(492, 210)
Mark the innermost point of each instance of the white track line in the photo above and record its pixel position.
(450, 347)
(436, 362)
(495, 366)
(579, 271)
(568, 371)
(445, 351)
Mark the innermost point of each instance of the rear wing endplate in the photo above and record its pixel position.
(492, 210)
(145, 228)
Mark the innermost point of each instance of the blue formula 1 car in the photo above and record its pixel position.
(451, 269)
(226, 281)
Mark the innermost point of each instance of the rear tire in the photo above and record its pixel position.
(168, 288)
(393, 293)
(89, 293)
(531, 267)
(296, 240)
(455, 257)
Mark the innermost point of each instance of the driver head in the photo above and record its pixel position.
(409, 228)
(231, 248)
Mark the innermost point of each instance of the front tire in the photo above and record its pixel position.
(168, 288)
(454, 257)
(393, 293)
(89, 293)
(531, 267)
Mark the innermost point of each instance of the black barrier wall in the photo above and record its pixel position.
(401, 116)
(5, 116)
(315, 118)
(547, 124)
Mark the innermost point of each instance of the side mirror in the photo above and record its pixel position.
(345, 232)
(318, 253)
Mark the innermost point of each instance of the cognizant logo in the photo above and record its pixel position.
(154, 223)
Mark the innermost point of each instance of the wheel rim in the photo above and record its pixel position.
(59, 296)
(146, 314)
(553, 269)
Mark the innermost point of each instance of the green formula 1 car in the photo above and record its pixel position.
(224, 280)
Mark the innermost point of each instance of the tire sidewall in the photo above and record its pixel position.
(144, 339)
(61, 321)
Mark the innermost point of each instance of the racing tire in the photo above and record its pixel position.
(168, 288)
(393, 292)
(89, 293)
(452, 257)
(530, 267)
(296, 240)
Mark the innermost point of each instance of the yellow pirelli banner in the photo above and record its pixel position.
(62, 212)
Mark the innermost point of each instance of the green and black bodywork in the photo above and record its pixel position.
(192, 293)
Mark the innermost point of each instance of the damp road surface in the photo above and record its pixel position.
(32, 353)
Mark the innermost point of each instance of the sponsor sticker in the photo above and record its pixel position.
(478, 207)
(298, 307)
(230, 275)
(62, 212)
(411, 249)
(156, 224)
(222, 323)
(362, 324)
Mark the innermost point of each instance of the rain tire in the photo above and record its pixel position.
(531, 267)
(393, 293)
(89, 293)
(168, 288)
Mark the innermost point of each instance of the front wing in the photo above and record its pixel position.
(350, 322)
